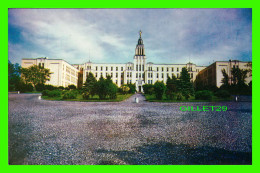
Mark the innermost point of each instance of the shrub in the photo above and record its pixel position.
(179, 96)
(54, 93)
(80, 91)
(75, 91)
(39, 87)
(169, 94)
(61, 88)
(72, 87)
(85, 95)
(151, 90)
(222, 94)
(11, 87)
(159, 89)
(70, 95)
(45, 92)
(148, 89)
(203, 95)
(186, 94)
(49, 87)
(23, 87)
(125, 89)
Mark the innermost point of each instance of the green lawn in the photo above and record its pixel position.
(95, 98)
(151, 98)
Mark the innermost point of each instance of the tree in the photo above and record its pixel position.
(105, 87)
(185, 85)
(101, 88)
(225, 79)
(112, 90)
(90, 85)
(132, 88)
(35, 75)
(14, 73)
(238, 85)
(148, 89)
(159, 89)
(238, 76)
(249, 64)
(171, 87)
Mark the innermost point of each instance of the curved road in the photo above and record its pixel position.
(65, 132)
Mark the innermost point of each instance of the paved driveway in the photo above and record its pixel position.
(64, 132)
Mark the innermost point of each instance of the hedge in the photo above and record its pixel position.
(203, 95)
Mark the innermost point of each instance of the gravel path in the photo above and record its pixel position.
(64, 132)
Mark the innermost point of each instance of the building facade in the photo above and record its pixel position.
(138, 72)
(62, 73)
(212, 75)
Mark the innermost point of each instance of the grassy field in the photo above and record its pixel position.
(95, 98)
(152, 98)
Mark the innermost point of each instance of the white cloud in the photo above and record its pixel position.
(170, 35)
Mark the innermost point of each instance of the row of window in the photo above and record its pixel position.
(150, 75)
(73, 80)
(67, 77)
(162, 69)
(129, 74)
(139, 75)
(122, 82)
(141, 68)
(71, 71)
(41, 65)
(111, 68)
(150, 81)
(157, 75)
(162, 75)
(111, 75)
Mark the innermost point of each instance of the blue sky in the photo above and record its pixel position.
(110, 35)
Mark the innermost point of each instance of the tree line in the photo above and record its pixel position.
(104, 88)
(236, 83)
(178, 88)
(183, 88)
(26, 79)
(34, 78)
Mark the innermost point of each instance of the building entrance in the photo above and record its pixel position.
(139, 88)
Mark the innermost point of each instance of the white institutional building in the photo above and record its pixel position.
(62, 73)
(212, 75)
(138, 72)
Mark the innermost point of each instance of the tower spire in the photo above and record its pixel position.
(139, 50)
(140, 41)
